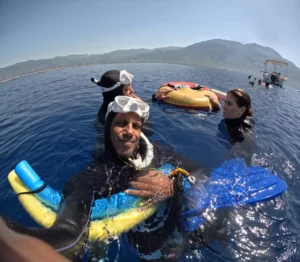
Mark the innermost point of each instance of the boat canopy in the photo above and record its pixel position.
(274, 62)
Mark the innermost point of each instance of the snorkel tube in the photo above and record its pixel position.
(95, 81)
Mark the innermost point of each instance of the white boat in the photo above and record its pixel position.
(274, 76)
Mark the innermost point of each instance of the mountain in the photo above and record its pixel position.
(217, 53)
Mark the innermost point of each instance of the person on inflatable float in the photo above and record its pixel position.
(163, 93)
(129, 163)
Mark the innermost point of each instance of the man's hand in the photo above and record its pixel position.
(154, 186)
(163, 93)
(22, 248)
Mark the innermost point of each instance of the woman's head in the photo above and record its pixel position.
(237, 104)
(124, 120)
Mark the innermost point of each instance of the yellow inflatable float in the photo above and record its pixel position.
(187, 97)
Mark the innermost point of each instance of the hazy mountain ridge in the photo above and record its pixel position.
(217, 53)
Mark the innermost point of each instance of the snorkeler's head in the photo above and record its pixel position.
(237, 104)
(124, 120)
(114, 83)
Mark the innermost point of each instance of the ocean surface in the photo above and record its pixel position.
(48, 120)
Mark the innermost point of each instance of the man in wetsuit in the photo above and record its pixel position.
(129, 161)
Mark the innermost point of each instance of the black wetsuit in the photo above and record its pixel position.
(107, 175)
(237, 129)
(241, 136)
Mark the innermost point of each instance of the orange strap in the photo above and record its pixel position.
(176, 172)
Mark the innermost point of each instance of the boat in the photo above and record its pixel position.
(274, 77)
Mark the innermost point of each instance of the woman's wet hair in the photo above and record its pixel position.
(242, 99)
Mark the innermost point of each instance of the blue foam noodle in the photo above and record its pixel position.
(105, 207)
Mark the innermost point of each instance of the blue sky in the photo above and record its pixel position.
(34, 29)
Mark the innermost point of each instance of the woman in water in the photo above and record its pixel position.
(237, 111)
(238, 114)
(237, 127)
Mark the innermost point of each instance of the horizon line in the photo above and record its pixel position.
(137, 49)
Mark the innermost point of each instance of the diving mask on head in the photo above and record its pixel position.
(126, 104)
(124, 78)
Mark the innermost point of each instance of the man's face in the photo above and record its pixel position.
(125, 132)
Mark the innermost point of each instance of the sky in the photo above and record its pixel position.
(37, 29)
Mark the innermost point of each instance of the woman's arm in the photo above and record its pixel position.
(216, 106)
(162, 93)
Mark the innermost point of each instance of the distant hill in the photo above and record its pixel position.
(217, 53)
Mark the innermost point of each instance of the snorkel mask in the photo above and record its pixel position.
(126, 104)
(113, 79)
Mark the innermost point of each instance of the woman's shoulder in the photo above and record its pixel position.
(249, 121)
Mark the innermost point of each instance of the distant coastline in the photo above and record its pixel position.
(217, 53)
(61, 68)
(41, 71)
(29, 74)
